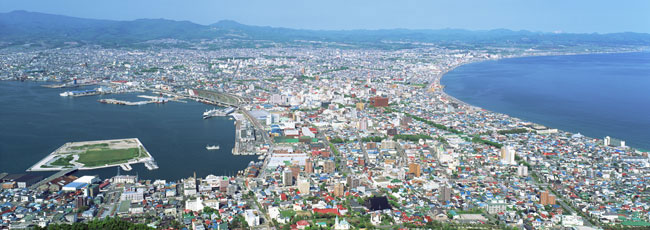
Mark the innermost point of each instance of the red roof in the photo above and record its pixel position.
(327, 210)
(303, 223)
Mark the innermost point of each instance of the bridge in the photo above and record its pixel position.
(54, 176)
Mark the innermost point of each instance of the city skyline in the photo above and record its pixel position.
(537, 16)
(324, 115)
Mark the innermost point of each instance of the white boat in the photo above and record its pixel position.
(212, 147)
(217, 112)
(65, 94)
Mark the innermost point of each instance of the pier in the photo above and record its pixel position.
(121, 102)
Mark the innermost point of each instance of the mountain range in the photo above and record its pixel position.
(20, 27)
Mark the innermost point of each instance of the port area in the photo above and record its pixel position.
(152, 99)
(90, 155)
(248, 140)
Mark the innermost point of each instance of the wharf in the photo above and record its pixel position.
(120, 102)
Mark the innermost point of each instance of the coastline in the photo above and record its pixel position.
(451, 98)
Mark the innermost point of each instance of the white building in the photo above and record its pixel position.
(125, 179)
(341, 225)
(572, 220)
(194, 205)
(133, 196)
(252, 217)
(274, 213)
(87, 179)
(508, 155)
(522, 171)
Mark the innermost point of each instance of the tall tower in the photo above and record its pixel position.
(508, 155)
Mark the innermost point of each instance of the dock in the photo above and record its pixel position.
(126, 167)
(151, 165)
(121, 102)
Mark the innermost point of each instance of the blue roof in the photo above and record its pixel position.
(76, 185)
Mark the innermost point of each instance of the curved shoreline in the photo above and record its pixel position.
(438, 79)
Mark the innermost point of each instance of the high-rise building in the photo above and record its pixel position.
(295, 171)
(414, 168)
(309, 166)
(353, 182)
(545, 198)
(223, 184)
(508, 155)
(405, 121)
(360, 106)
(522, 171)
(79, 202)
(445, 194)
(363, 124)
(608, 141)
(361, 161)
(287, 178)
(339, 189)
(329, 166)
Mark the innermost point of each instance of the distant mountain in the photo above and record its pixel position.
(24, 27)
(30, 27)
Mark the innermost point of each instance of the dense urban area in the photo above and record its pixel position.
(347, 138)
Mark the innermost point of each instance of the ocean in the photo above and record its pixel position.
(596, 95)
(34, 121)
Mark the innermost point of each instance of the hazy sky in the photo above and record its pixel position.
(582, 16)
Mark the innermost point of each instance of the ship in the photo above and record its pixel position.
(79, 93)
(212, 147)
(217, 112)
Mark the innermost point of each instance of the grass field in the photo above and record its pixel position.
(63, 161)
(94, 158)
(93, 146)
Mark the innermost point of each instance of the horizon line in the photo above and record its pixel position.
(325, 30)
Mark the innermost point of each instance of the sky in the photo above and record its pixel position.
(573, 16)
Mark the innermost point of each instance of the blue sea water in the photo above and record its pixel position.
(597, 95)
(34, 121)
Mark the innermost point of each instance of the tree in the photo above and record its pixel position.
(108, 223)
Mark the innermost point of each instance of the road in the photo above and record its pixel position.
(363, 148)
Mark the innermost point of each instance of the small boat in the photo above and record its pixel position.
(212, 147)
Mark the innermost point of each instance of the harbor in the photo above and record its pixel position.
(152, 99)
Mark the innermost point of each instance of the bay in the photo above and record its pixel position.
(596, 95)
